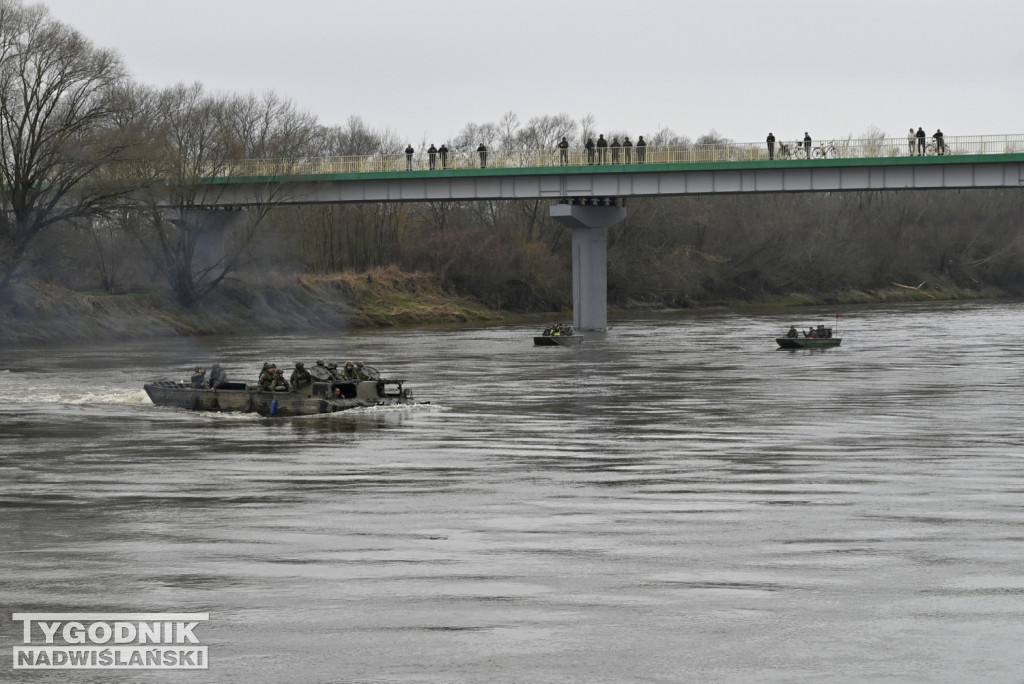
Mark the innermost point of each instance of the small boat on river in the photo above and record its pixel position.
(558, 335)
(813, 338)
(325, 393)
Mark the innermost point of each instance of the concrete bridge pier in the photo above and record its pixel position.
(209, 227)
(590, 226)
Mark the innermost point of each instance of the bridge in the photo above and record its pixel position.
(590, 191)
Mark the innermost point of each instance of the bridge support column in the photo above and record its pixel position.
(590, 226)
(209, 227)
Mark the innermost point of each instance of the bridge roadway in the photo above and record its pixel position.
(590, 199)
(626, 180)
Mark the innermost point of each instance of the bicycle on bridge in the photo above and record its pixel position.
(827, 151)
(786, 151)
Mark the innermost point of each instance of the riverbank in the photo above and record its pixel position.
(46, 313)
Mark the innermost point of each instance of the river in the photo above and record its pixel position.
(672, 501)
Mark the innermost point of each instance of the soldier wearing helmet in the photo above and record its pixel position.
(267, 377)
(198, 378)
(217, 376)
(332, 368)
(350, 371)
(300, 376)
(279, 384)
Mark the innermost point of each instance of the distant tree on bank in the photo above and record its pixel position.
(197, 137)
(57, 128)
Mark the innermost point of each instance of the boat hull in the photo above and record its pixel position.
(310, 400)
(807, 342)
(557, 340)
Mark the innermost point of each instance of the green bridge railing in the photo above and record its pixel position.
(651, 154)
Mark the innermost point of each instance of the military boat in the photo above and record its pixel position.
(807, 342)
(814, 338)
(325, 394)
(558, 334)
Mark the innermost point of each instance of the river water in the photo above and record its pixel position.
(673, 501)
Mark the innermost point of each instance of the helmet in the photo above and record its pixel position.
(319, 362)
(349, 364)
(332, 365)
(299, 364)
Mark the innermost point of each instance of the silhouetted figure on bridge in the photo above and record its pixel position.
(482, 151)
(627, 149)
(432, 156)
(807, 144)
(641, 150)
(602, 148)
(563, 152)
(940, 143)
(615, 147)
(590, 150)
(408, 158)
(771, 145)
(920, 140)
(442, 151)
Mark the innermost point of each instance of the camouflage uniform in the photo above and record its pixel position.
(332, 368)
(198, 378)
(350, 371)
(217, 376)
(300, 376)
(267, 377)
(280, 384)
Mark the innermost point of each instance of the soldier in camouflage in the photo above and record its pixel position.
(300, 376)
(267, 377)
(280, 384)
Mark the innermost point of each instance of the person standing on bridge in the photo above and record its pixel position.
(911, 140)
(807, 144)
(408, 157)
(641, 150)
(443, 152)
(627, 149)
(771, 145)
(482, 151)
(920, 140)
(602, 148)
(590, 150)
(940, 143)
(563, 152)
(432, 156)
(615, 147)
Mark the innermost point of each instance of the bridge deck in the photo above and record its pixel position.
(302, 174)
(520, 160)
(588, 183)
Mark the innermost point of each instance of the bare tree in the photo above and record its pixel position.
(199, 137)
(588, 128)
(57, 128)
(355, 138)
(544, 132)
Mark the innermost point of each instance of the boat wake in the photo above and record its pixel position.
(88, 398)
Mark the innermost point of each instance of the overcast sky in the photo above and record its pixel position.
(423, 69)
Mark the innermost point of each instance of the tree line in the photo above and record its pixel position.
(70, 115)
